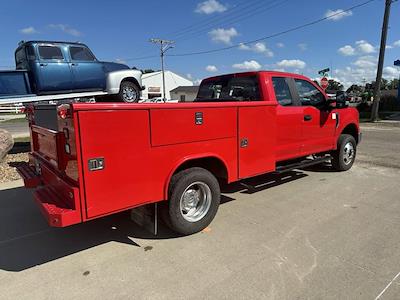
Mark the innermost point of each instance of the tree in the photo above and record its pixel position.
(334, 85)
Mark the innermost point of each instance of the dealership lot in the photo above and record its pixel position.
(309, 234)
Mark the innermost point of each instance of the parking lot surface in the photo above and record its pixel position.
(313, 234)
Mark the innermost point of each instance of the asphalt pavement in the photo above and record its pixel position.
(313, 234)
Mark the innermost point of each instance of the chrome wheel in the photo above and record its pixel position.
(129, 94)
(195, 201)
(348, 153)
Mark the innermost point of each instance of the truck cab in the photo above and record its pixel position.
(61, 67)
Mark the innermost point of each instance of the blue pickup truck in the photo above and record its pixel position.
(51, 68)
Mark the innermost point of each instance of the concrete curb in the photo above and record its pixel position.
(11, 184)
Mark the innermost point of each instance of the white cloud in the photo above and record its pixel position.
(211, 68)
(365, 47)
(366, 62)
(197, 82)
(28, 30)
(209, 7)
(291, 63)
(247, 65)
(389, 47)
(396, 43)
(303, 46)
(391, 72)
(336, 15)
(258, 48)
(223, 35)
(189, 76)
(347, 50)
(120, 61)
(280, 45)
(66, 29)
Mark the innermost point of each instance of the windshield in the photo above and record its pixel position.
(229, 88)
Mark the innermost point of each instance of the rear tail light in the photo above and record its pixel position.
(63, 111)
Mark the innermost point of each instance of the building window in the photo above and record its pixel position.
(183, 98)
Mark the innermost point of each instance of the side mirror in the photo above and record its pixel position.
(339, 100)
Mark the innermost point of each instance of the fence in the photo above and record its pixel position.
(11, 109)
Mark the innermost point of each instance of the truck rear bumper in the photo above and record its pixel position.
(58, 201)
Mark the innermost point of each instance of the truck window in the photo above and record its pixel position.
(81, 53)
(229, 88)
(282, 91)
(20, 57)
(50, 52)
(308, 93)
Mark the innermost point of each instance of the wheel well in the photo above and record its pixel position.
(211, 164)
(131, 79)
(352, 130)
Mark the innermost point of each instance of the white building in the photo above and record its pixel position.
(153, 83)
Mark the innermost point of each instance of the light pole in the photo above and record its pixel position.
(377, 89)
(165, 45)
(397, 64)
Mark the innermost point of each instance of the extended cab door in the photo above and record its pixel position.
(289, 119)
(319, 123)
(54, 71)
(88, 73)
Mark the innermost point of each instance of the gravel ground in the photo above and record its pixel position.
(7, 172)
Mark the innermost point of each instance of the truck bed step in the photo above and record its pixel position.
(28, 174)
(54, 209)
(302, 164)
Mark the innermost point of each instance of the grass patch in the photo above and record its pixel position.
(26, 139)
(14, 121)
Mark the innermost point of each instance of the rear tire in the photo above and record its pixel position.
(345, 154)
(194, 197)
(129, 92)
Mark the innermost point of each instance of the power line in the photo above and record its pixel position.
(275, 34)
(234, 14)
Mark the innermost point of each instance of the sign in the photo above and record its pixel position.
(324, 72)
(324, 82)
(154, 89)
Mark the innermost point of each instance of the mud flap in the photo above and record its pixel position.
(146, 216)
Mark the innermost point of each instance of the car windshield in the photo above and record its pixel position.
(229, 88)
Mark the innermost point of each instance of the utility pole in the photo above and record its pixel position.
(377, 89)
(165, 45)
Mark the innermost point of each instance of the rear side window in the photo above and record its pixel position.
(282, 91)
(30, 51)
(20, 57)
(50, 52)
(81, 53)
(229, 88)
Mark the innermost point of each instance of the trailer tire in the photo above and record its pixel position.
(345, 154)
(129, 92)
(194, 197)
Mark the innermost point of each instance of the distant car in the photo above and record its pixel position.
(63, 67)
(159, 100)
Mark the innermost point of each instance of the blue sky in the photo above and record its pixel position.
(119, 31)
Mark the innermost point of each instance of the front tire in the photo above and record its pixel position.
(343, 158)
(194, 197)
(129, 92)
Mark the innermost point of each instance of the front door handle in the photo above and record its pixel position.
(43, 64)
(307, 117)
(74, 64)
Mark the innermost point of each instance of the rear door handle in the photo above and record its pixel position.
(307, 117)
(74, 64)
(43, 64)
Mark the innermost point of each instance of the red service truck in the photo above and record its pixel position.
(89, 160)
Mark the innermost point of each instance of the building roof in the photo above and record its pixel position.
(185, 89)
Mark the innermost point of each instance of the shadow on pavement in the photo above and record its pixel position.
(26, 240)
